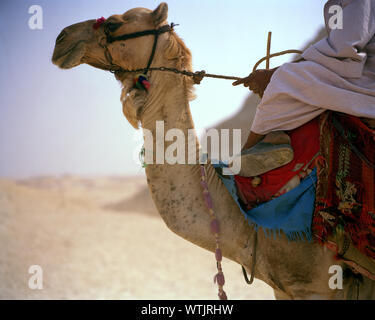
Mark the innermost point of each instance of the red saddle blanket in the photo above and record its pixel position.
(305, 143)
(345, 195)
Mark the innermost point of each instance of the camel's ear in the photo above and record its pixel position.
(160, 14)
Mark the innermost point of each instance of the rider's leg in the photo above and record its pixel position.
(252, 140)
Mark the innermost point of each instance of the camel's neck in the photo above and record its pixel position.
(177, 194)
(176, 189)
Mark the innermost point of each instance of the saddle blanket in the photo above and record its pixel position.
(265, 206)
(334, 203)
(290, 213)
(305, 144)
(345, 196)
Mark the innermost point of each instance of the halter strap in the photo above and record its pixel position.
(155, 32)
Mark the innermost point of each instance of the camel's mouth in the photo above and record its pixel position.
(69, 58)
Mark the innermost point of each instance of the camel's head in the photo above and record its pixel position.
(85, 43)
(90, 42)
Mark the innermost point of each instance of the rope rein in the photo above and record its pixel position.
(199, 75)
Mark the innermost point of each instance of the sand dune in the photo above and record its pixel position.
(101, 238)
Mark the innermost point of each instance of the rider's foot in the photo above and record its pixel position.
(273, 152)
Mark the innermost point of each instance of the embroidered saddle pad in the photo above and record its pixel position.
(344, 217)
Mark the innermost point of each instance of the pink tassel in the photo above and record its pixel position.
(208, 200)
(204, 185)
(203, 172)
(219, 278)
(218, 255)
(222, 295)
(215, 226)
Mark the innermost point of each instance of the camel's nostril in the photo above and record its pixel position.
(61, 36)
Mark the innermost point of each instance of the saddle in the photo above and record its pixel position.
(341, 149)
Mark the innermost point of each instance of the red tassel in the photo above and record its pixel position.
(98, 23)
(146, 84)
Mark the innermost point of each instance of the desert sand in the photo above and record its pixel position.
(101, 238)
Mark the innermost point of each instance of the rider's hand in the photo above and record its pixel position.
(257, 81)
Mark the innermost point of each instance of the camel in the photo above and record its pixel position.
(295, 270)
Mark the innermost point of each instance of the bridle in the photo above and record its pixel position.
(110, 39)
(196, 76)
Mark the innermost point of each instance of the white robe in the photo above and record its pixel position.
(338, 74)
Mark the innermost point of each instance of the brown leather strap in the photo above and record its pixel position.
(133, 35)
(154, 32)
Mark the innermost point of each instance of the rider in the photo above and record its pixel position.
(336, 73)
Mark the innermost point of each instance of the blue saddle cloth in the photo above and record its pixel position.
(290, 213)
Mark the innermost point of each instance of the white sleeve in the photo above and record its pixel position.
(344, 50)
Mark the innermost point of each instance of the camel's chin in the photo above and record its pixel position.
(98, 65)
(71, 58)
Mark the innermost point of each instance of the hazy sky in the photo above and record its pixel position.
(56, 121)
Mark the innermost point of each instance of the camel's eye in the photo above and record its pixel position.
(112, 26)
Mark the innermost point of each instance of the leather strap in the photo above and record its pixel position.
(133, 35)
